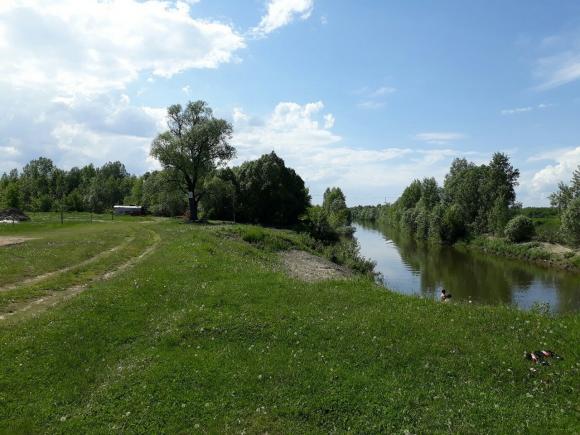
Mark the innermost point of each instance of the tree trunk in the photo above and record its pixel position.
(192, 208)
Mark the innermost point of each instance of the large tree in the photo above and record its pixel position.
(193, 147)
(270, 193)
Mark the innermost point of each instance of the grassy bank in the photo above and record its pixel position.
(208, 334)
(535, 252)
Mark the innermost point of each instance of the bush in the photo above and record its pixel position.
(253, 235)
(319, 227)
(519, 229)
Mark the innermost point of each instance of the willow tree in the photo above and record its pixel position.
(193, 147)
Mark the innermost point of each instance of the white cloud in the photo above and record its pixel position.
(280, 13)
(516, 110)
(186, 89)
(370, 104)
(565, 161)
(77, 131)
(93, 46)
(373, 98)
(525, 109)
(302, 135)
(383, 90)
(558, 70)
(67, 66)
(537, 185)
(329, 120)
(439, 137)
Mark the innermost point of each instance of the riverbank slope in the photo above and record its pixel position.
(542, 253)
(208, 333)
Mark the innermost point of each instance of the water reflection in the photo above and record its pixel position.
(412, 267)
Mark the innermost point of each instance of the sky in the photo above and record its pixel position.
(366, 95)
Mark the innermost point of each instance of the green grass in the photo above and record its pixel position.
(208, 335)
(530, 251)
(59, 249)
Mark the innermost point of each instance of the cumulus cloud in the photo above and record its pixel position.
(439, 137)
(558, 165)
(94, 46)
(78, 131)
(67, 67)
(302, 135)
(280, 13)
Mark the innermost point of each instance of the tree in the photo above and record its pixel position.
(501, 179)
(575, 183)
(162, 196)
(194, 146)
(334, 204)
(571, 222)
(270, 193)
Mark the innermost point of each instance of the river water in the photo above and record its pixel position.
(416, 268)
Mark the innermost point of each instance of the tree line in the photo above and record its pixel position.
(474, 200)
(193, 152)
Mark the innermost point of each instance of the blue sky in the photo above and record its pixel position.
(366, 95)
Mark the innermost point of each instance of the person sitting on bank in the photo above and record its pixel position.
(444, 295)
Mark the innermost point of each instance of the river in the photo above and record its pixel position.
(415, 268)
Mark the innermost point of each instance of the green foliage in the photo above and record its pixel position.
(269, 192)
(453, 227)
(519, 229)
(334, 204)
(532, 251)
(11, 196)
(368, 213)
(195, 144)
(566, 201)
(319, 226)
(474, 200)
(219, 200)
(163, 196)
(571, 221)
(347, 253)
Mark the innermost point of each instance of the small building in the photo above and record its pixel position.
(133, 210)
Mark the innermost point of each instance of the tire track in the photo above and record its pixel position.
(37, 306)
(44, 276)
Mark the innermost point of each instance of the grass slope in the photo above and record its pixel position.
(208, 335)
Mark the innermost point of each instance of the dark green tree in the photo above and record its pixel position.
(270, 193)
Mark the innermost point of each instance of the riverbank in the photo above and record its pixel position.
(209, 333)
(543, 254)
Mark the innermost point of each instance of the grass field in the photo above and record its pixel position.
(207, 334)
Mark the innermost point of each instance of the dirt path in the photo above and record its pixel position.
(39, 278)
(32, 308)
(10, 240)
(310, 268)
(554, 248)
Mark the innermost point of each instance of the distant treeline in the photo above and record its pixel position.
(263, 191)
(476, 200)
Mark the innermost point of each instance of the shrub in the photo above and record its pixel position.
(519, 229)
(318, 225)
